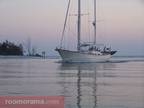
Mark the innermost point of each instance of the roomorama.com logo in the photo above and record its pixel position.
(38, 102)
(32, 102)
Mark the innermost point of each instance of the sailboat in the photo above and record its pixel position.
(87, 51)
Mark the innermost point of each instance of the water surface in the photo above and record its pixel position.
(115, 84)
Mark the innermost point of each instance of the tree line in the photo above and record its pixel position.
(10, 48)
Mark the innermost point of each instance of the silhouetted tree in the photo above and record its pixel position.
(9, 48)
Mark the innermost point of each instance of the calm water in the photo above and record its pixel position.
(115, 84)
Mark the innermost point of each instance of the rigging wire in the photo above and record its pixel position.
(65, 22)
(89, 34)
(94, 23)
(68, 32)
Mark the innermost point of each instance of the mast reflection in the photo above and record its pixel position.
(79, 88)
(80, 84)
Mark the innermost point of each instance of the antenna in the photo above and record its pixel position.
(29, 46)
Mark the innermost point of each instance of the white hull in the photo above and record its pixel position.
(75, 56)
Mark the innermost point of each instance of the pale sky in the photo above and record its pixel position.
(121, 23)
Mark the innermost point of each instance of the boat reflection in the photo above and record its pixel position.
(79, 82)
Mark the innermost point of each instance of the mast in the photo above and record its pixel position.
(79, 25)
(94, 23)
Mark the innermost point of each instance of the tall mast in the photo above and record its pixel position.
(94, 23)
(79, 25)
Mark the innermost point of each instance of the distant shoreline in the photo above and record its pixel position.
(9, 56)
(130, 56)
